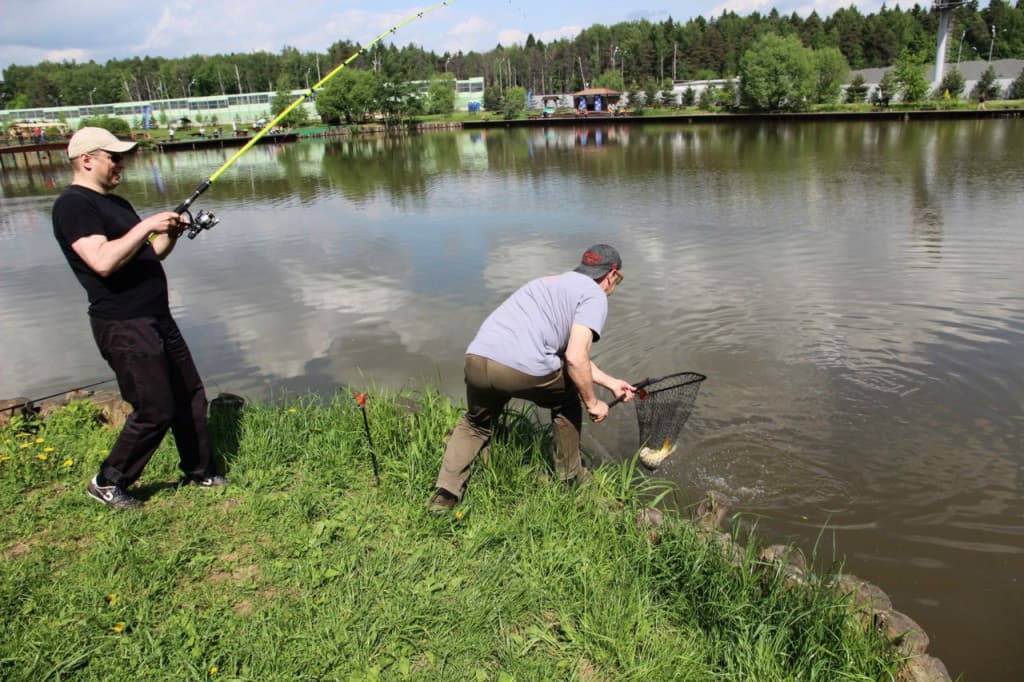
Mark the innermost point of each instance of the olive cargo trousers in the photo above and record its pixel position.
(489, 387)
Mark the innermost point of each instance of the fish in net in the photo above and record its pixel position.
(663, 404)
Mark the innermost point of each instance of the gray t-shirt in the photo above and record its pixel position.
(530, 330)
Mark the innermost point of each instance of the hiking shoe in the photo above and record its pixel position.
(213, 481)
(112, 495)
(442, 501)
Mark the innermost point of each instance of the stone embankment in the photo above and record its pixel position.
(870, 604)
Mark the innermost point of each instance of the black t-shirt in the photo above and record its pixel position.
(136, 289)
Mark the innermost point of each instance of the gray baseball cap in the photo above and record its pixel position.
(598, 261)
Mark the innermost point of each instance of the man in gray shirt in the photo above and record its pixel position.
(536, 346)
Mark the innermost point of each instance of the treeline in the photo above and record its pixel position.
(638, 52)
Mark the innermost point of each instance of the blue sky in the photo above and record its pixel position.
(33, 30)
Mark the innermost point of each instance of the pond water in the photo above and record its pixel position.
(854, 291)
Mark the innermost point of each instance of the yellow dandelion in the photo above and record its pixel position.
(111, 599)
(292, 410)
(42, 458)
(23, 446)
(459, 515)
(40, 440)
(49, 449)
(119, 627)
(69, 462)
(213, 669)
(4, 458)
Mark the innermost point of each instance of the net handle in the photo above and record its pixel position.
(644, 383)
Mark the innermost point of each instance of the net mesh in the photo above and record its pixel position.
(663, 407)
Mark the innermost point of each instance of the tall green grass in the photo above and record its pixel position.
(303, 569)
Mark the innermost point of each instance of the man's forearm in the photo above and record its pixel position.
(583, 378)
(600, 377)
(163, 245)
(116, 252)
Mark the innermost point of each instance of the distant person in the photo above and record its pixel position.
(170, 133)
(116, 257)
(536, 346)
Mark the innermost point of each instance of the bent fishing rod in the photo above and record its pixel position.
(204, 219)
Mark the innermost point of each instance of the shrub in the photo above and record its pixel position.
(953, 83)
(986, 88)
(515, 102)
(118, 126)
(1016, 89)
(857, 90)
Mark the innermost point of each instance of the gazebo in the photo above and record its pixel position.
(595, 99)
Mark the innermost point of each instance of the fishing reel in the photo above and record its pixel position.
(204, 220)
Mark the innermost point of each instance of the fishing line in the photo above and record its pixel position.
(205, 220)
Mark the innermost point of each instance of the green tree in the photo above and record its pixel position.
(952, 82)
(857, 90)
(492, 98)
(886, 90)
(777, 74)
(830, 72)
(1016, 90)
(987, 88)
(398, 100)
(515, 102)
(162, 118)
(441, 94)
(611, 79)
(282, 100)
(636, 99)
(689, 97)
(726, 98)
(650, 93)
(116, 125)
(350, 96)
(909, 75)
(709, 98)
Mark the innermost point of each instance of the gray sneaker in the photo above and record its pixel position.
(214, 481)
(112, 495)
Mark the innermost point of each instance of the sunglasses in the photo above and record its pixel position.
(114, 157)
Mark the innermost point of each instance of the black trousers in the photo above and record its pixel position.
(155, 373)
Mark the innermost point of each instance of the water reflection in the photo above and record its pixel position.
(852, 290)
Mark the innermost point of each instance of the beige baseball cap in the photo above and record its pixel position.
(90, 139)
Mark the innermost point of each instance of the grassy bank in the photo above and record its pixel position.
(302, 568)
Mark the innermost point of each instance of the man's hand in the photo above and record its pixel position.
(621, 389)
(597, 410)
(163, 223)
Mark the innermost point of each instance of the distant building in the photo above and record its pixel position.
(246, 107)
(1006, 71)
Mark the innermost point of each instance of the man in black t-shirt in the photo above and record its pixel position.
(116, 257)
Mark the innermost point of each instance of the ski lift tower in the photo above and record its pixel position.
(945, 9)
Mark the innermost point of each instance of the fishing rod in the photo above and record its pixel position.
(54, 395)
(205, 220)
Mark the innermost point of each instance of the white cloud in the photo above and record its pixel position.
(740, 7)
(825, 8)
(470, 27)
(67, 54)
